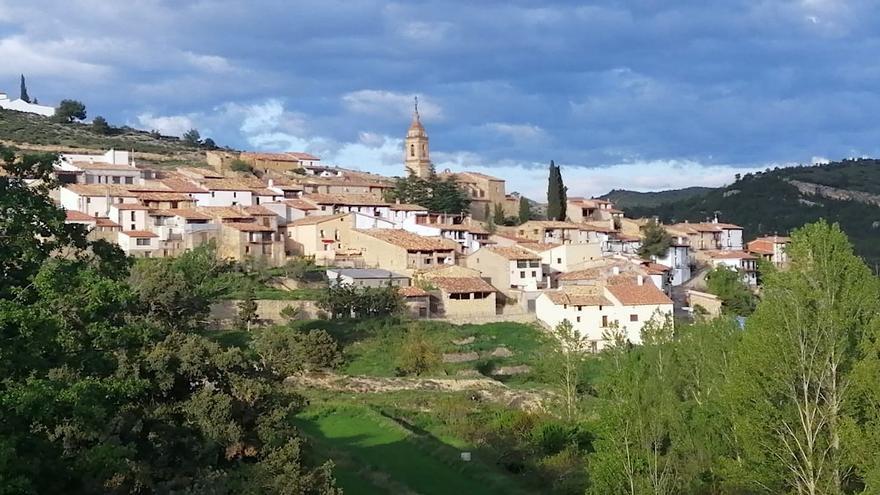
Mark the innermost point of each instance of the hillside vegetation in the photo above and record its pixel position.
(29, 131)
(624, 198)
(767, 202)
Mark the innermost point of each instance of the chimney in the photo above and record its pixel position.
(640, 280)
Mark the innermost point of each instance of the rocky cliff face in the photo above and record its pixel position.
(811, 189)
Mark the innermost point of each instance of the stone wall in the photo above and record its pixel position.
(268, 310)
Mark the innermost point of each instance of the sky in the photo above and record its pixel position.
(640, 94)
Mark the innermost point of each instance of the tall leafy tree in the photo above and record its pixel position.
(795, 371)
(498, 214)
(727, 283)
(192, 137)
(24, 92)
(655, 242)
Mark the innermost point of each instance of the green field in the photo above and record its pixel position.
(376, 454)
(371, 348)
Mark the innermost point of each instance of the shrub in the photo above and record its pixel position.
(417, 354)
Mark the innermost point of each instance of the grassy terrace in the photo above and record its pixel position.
(377, 454)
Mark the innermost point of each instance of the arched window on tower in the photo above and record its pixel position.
(412, 150)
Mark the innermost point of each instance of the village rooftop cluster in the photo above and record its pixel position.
(585, 269)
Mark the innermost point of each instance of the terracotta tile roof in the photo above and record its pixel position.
(104, 166)
(248, 227)
(106, 222)
(410, 241)
(412, 291)
(345, 199)
(779, 239)
(513, 253)
(201, 173)
(458, 227)
(224, 212)
(259, 211)
(182, 186)
(407, 207)
(266, 192)
(638, 295)
(761, 246)
(578, 296)
(316, 219)
(140, 234)
(479, 175)
(187, 213)
(512, 237)
(550, 224)
(240, 184)
(288, 156)
(536, 247)
(163, 196)
(299, 204)
(462, 285)
(78, 216)
(597, 226)
(96, 190)
(625, 238)
(655, 268)
(729, 255)
(129, 206)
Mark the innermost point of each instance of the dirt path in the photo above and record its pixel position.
(482, 388)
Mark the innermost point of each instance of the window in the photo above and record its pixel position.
(116, 180)
(633, 317)
(534, 274)
(132, 216)
(522, 274)
(522, 264)
(604, 321)
(412, 150)
(559, 261)
(321, 233)
(142, 242)
(129, 180)
(534, 263)
(212, 194)
(578, 319)
(580, 308)
(428, 261)
(234, 194)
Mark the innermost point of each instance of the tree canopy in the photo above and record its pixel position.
(435, 194)
(70, 110)
(656, 241)
(108, 385)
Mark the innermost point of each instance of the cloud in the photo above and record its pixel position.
(389, 103)
(525, 132)
(169, 125)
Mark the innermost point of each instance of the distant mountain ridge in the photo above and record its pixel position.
(624, 198)
(782, 199)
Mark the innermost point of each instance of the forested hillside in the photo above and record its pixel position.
(624, 198)
(768, 202)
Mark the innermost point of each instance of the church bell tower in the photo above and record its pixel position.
(416, 157)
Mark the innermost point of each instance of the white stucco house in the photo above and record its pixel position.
(596, 310)
(20, 105)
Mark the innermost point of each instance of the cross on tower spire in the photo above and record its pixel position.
(416, 114)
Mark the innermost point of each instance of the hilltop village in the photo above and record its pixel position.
(460, 267)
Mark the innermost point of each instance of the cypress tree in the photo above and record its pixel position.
(553, 188)
(563, 196)
(24, 94)
(525, 210)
